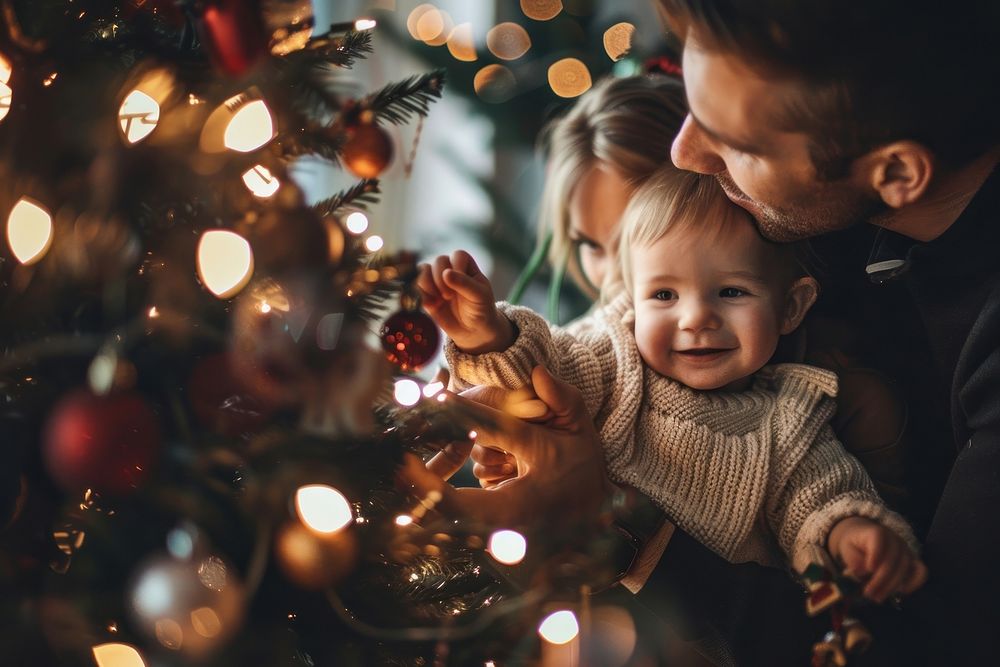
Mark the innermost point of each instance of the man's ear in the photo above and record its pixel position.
(900, 172)
(800, 298)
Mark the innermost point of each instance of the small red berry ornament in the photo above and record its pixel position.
(105, 443)
(233, 31)
(409, 337)
(368, 150)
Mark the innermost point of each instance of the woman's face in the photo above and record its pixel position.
(595, 209)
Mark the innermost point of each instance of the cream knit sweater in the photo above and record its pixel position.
(750, 474)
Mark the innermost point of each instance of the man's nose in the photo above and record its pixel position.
(692, 150)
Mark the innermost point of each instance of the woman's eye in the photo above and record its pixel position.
(664, 295)
(588, 244)
(731, 292)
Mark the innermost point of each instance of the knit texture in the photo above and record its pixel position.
(754, 475)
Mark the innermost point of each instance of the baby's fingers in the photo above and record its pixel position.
(441, 264)
(915, 578)
(472, 289)
(889, 572)
(429, 292)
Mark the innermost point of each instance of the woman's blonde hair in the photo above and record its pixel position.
(626, 123)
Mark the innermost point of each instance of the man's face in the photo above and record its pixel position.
(733, 133)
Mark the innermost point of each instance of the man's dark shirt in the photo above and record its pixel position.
(935, 328)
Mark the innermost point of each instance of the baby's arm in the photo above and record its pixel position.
(459, 298)
(829, 500)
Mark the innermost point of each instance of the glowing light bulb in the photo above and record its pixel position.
(117, 655)
(407, 392)
(364, 24)
(250, 127)
(323, 508)
(508, 547)
(29, 231)
(374, 243)
(357, 222)
(225, 262)
(432, 389)
(559, 627)
(404, 520)
(138, 116)
(260, 182)
(6, 93)
(5, 69)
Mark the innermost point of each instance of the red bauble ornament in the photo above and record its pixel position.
(105, 443)
(410, 339)
(222, 402)
(367, 151)
(234, 34)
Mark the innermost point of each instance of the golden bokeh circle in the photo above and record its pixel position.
(495, 84)
(415, 16)
(618, 40)
(461, 44)
(541, 10)
(508, 41)
(569, 77)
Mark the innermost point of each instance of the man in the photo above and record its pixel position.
(816, 116)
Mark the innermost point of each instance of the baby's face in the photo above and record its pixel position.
(708, 307)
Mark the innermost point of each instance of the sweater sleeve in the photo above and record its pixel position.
(583, 357)
(816, 482)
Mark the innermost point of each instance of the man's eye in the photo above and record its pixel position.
(664, 295)
(732, 292)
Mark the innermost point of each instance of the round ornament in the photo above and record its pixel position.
(410, 339)
(191, 606)
(314, 560)
(367, 151)
(106, 443)
(234, 34)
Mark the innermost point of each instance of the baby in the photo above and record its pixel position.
(674, 369)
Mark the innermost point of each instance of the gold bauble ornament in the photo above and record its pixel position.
(367, 151)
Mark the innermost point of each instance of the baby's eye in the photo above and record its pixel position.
(664, 295)
(732, 292)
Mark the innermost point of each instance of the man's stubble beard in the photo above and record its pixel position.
(826, 207)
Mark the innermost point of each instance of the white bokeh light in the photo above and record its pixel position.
(323, 508)
(357, 222)
(117, 655)
(225, 262)
(138, 116)
(559, 627)
(407, 392)
(261, 182)
(374, 243)
(508, 546)
(250, 127)
(29, 231)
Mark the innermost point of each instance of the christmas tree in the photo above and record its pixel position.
(199, 444)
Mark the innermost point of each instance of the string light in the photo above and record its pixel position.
(508, 547)
(406, 392)
(29, 231)
(225, 262)
(6, 92)
(117, 655)
(261, 182)
(374, 243)
(356, 222)
(432, 389)
(404, 520)
(138, 116)
(364, 24)
(323, 508)
(560, 627)
(250, 127)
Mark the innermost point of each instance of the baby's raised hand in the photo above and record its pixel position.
(460, 299)
(869, 550)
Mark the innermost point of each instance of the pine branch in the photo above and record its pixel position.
(359, 195)
(397, 102)
(339, 51)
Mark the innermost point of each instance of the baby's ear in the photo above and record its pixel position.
(800, 298)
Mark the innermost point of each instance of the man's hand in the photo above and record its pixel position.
(869, 550)
(560, 463)
(460, 299)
